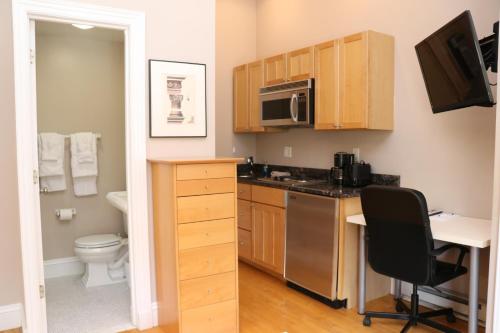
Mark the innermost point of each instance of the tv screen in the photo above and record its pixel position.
(453, 67)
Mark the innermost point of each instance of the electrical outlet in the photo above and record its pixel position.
(287, 151)
(234, 149)
(355, 151)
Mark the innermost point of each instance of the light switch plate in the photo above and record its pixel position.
(287, 151)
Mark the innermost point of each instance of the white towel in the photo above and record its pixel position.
(84, 163)
(51, 161)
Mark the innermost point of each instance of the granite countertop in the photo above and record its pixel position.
(318, 181)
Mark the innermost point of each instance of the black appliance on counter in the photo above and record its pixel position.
(347, 172)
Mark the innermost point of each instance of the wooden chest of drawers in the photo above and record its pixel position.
(195, 214)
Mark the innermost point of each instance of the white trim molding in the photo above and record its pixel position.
(133, 25)
(11, 316)
(59, 267)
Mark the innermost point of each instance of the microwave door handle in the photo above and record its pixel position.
(294, 104)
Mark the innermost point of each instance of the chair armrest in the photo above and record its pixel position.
(442, 249)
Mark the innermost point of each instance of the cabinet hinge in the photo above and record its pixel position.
(35, 176)
(42, 291)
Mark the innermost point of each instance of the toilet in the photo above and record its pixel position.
(104, 256)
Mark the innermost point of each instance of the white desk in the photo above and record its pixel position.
(472, 232)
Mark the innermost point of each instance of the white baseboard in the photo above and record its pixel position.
(154, 308)
(63, 267)
(11, 316)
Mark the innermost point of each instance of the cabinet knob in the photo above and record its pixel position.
(207, 234)
(206, 187)
(209, 291)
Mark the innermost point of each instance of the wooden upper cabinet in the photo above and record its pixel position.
(366, 81)
(300, 64)
(240, 99)
(255, 82)
(275, 70)
(326, 64)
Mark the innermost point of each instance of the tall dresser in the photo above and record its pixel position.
(194, 208)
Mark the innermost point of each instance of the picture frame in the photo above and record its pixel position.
(177, 99)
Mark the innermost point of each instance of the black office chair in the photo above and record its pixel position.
(400, 245)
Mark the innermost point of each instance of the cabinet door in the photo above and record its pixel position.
(268, 233)
(326, 66)
(354, 81)
(240, 99)
(300, 64)
(255, 82)
(275, 70)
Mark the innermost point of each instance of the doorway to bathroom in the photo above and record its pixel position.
(131, 24)
(80, 89)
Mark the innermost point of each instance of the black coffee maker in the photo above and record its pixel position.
(342, 162)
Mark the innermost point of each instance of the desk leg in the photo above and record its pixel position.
(362, 271)
(473, 289)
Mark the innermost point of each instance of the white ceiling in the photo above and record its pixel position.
(66, 29)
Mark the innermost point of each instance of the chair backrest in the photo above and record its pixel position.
(398, 233)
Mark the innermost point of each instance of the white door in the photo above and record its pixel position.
(38, 306)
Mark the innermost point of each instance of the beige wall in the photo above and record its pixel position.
(10, 250)
(175, 30)
(449, 157)
(81, 88)
(236, 43)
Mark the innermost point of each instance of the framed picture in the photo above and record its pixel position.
(177, 99)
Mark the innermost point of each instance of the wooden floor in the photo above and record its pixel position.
(268, 306)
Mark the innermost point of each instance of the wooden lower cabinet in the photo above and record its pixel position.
(268, 231)
(195, 230)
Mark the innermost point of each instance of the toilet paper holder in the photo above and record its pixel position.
(58, 212)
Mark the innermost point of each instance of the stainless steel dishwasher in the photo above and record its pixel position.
(311, 250)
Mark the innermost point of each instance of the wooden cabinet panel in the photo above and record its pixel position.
(205, 186)
(204, 261)
(244, 244)
(255, 82)
(207, 290)
(216, 318)
(192, 235)
(354, 81)
(205, 207)
(268, 195)
(244, 191)
(275, 70)
(205, 171)
(240, 99)
(326, 82)
(244, 214)
(268, 232)
(300, 64)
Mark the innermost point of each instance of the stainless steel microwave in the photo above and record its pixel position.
(288, 104)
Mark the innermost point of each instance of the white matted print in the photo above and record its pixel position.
(177, 99)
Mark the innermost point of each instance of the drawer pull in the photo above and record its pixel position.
(206, 187)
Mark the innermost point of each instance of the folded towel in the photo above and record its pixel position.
(51, 161)
(84, 163)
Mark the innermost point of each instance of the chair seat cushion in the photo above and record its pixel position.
(445, 271)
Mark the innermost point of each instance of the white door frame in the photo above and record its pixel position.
(133, 25)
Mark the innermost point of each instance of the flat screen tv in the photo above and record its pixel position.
(453, 68)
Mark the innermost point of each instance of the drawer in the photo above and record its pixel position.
(268, 195)
(205, 186)
(205, 171)
(216, 318)
(245, 214)
(207, 233)
(204, 261)
(207, 290)
(244, 191)
(205, 207)
(244, 244)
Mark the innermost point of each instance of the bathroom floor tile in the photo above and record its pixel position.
(72, 308)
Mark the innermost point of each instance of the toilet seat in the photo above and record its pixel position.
(97, 241)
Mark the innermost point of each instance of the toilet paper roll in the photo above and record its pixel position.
(65, 214)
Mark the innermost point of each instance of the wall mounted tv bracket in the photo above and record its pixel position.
(489, 49)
